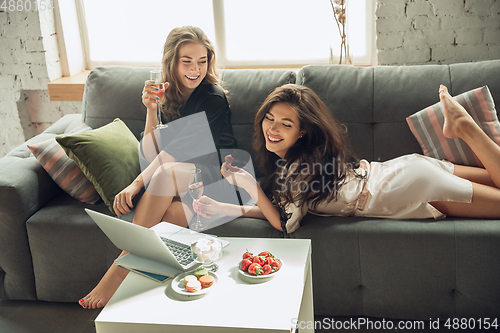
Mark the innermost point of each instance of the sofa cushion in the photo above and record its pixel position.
(115, 92)
(427, 127)
(347, 91)
(69, 251)
(108, 156)
(63, 170)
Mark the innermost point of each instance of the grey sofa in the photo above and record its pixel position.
(413, 269)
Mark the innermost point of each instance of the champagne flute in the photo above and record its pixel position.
(196, 191)
(156, 76)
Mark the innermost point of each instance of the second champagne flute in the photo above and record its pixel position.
(156, 76)
(196, 191)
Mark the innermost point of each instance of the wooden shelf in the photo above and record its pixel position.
(68, 88)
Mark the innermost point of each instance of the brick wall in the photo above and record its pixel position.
(411, 32)
(29, 59)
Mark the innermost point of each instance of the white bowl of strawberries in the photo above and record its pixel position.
(261, 266)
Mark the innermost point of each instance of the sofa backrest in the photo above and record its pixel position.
(373, 102)
(246, 91)
(115, 92)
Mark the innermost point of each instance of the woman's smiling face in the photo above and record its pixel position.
(281, 128)
(192, 66)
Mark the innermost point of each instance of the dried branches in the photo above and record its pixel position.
(339, 12)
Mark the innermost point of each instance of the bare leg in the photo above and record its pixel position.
(102, 293)
(485, 203)
(165, 188)
(178, 213)
(150, 211)
(459, 124)
(474, 174)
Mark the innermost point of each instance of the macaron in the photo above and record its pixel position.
(188, 278)
(193, 286)
(206, 281)
(200, 272)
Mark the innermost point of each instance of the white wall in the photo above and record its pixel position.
(411, 32)
(29, 59)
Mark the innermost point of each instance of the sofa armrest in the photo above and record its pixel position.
(25, 187)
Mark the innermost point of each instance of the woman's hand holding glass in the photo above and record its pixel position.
(207, 206)
(149, 99)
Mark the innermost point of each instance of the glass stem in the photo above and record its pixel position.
(197, 214)
(158, 112)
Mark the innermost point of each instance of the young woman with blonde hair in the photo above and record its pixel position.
(191, 86)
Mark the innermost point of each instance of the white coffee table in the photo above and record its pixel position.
(143, 305)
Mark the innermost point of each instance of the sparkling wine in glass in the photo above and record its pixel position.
(156, 76)
(196, 191)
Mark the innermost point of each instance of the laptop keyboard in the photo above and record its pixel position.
(181, 252)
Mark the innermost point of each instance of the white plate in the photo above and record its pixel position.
(179, 287)
(259, 276)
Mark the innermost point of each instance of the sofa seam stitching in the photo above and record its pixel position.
(449, 77)
(360, 276)
(373, 111)
(456, 268)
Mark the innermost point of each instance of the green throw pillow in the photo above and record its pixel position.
(108, 156)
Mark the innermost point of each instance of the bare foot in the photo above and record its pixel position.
(102, 293)
(456, 118)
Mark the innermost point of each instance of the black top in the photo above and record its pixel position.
(180, 138)
(210, 98)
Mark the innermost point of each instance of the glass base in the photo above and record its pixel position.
(213, 267)
(160, 126)
(197, 225)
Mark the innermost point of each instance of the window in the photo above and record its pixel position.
(257, 33)
(290, 32)
(133, 32)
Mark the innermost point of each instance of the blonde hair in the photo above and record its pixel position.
(172, 101)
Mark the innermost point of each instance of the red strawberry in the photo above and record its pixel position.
(276, 265)
(259, 260)
(229, 159)
(269, 260)
(248, 255)
(266, 254)
(245, 263)
(266, 269)
(255, 269)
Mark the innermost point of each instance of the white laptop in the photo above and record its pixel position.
(155, 245)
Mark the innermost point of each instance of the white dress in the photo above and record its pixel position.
(400, 188)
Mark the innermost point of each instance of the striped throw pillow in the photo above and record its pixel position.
(427, 127)
(63, 170)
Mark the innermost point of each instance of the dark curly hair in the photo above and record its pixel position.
(322, 154)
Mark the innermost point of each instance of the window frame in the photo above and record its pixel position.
(71, 59)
